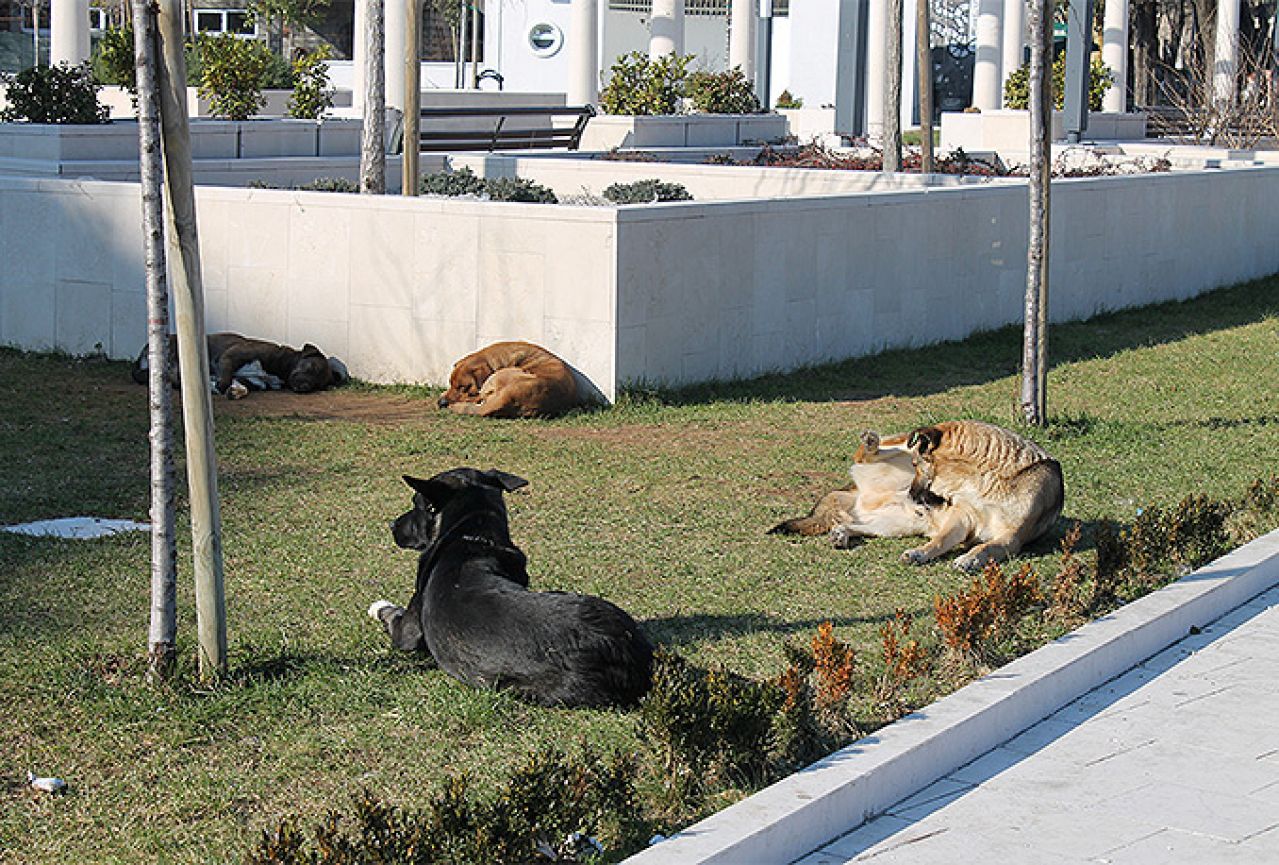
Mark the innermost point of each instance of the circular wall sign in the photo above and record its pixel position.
(545, 39)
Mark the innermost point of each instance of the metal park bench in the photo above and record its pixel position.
(489, 129)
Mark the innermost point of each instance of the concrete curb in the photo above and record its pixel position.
(811, 808)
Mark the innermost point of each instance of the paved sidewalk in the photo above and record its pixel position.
(1176, 761)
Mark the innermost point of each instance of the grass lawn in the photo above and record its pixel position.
(659, 504)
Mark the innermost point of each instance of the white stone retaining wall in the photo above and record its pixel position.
(666, 294)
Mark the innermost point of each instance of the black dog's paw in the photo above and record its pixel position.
(385, 612)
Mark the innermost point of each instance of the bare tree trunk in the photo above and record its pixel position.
(924, 70)
(893, 89)
(1034, 364)
(412, 98)
(193, 356)
(373, 144)
(162, 640)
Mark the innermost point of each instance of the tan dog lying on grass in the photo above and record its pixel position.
(958, 482)
(511, 379)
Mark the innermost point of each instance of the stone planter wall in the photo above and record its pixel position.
(1008, 132)
(607, 131)
(670, 293)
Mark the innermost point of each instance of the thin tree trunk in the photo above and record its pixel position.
(193, 356)
(924, 71)
(893, 89)
(1034, 365)
(373, 144)
(1144, 38)
(162, 640)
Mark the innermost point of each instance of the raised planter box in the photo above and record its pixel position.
(1008, 132)
(682, 130)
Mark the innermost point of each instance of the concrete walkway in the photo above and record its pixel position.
(1176, 761)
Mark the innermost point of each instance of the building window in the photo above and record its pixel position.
(235, 21)
(98, 18)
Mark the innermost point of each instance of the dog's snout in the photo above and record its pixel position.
(444, 402)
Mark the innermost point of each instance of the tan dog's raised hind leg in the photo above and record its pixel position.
(1000, 550)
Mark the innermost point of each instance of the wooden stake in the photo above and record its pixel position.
(412, 97)
(924, 72)
(161, 642)
(193, 357)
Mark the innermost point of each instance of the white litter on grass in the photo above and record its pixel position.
(47, 785)
(76, 528)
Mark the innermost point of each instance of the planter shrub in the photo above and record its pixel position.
(54, 94)
(1017, 92)
(646, 192)
(641, 86)
(728, 92)
(234, 72)
(312, 91)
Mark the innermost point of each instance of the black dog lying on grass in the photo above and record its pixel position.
(473, 611)
(300, 370)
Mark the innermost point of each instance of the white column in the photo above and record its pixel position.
(1015, 37)
(397, 13)
(583, 52)
(1225, 64)
(741, 37)
(666, 28)
(1114, 53)
(68, 31)
(876, 49)
(359, 55)
(986, 79)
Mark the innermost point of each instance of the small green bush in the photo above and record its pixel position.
(54, 94)
(1017, 85)
(464, 182)
(113, 61)
(233, 74)
(519, 189)
(646, 192)
(638, 85)
(728, 92)
(312, 91)
(452, 183)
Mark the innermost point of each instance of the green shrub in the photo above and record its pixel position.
(519, 189)
(452, 183)
(1017, 85)
(638, 85)
(728, 92)
(645, 192)
(553, 807)
(233, 74)
(312, 91)
(54, 94)
(330, 184)
(464, 182)
(113, 59)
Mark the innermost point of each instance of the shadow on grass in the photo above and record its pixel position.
(674, 631)
(990, 355)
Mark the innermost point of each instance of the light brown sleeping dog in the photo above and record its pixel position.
(511, 379)
(957, 482)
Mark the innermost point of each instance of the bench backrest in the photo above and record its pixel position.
(514, 128)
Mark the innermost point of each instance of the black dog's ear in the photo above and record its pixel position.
(312, 350)
(504, 480)
(924, 440)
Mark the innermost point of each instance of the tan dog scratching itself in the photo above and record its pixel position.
(957, 482)
(1001, 491)
(511, 379)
